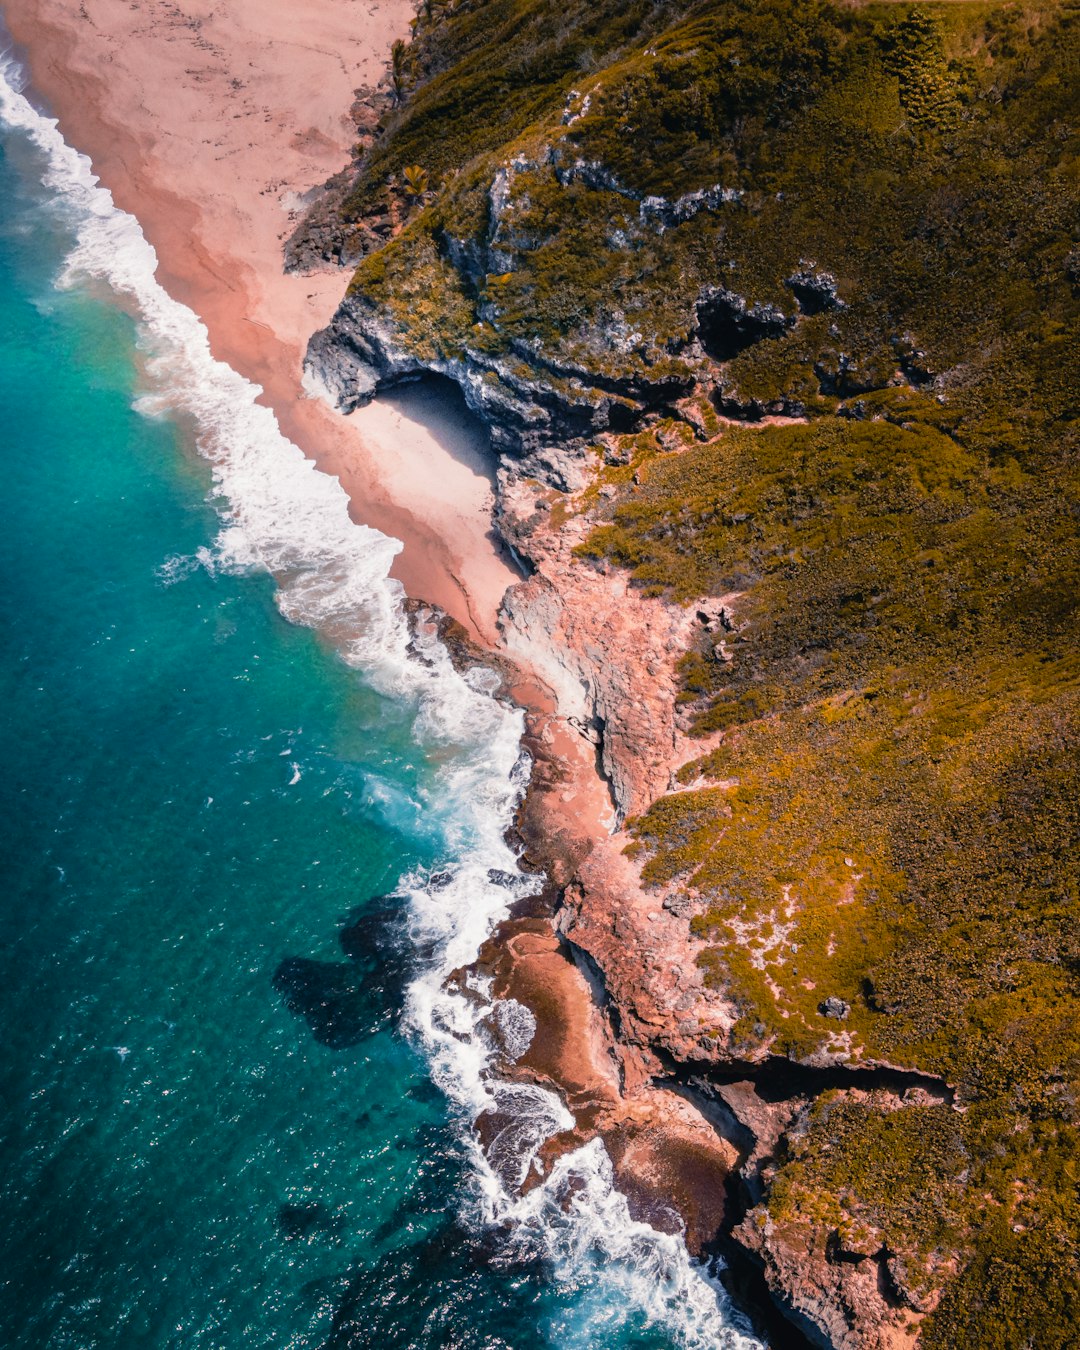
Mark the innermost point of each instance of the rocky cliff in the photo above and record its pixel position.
(772, 311)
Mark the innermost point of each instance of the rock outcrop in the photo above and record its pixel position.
(839, 1299)
(540, 415)
(610, 656)
(805, 732)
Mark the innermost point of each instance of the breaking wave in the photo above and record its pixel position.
(281, 515)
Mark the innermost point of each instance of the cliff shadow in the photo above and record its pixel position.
(434, 462)
(435, 403)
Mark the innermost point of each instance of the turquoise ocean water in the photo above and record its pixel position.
(248, 828)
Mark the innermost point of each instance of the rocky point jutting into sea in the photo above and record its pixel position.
(769, 312)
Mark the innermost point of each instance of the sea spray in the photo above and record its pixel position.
(282, 516)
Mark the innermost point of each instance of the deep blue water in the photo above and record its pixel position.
(218, 1128)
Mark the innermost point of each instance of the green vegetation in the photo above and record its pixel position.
(900, 1166)
(475, 79)
(914, 152)
(917, 1180)
(887, 810)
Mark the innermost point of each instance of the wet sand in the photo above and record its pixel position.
(209, 123)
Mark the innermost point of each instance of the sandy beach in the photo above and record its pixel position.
(213, 163)
(209, 123)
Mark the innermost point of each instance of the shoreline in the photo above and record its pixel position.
(669, 1160)
(186, 127)
(744, 706)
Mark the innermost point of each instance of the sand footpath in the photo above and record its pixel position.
(209, 121)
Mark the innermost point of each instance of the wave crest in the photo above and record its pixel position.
(281, 515)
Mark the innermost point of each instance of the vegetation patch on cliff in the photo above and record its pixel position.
(866, 215)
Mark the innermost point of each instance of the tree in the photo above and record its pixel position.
(416, 181)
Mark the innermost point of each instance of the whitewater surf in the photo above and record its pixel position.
(281, 516)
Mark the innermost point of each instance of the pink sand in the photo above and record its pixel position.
(208, 121)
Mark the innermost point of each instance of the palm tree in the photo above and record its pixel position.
(398, 63)
(416, 181)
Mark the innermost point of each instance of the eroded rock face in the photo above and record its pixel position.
(647, 960)
(323, 238)
(542, 415)
(841, 1299)
(543, 405)
(669, 1160)
(607, 652)
(814, 290)
(728, 324)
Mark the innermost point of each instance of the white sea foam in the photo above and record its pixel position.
(282, 516)
(176, 567)
(517, 1026)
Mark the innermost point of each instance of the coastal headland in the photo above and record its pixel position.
(217, 127)
(763, 508)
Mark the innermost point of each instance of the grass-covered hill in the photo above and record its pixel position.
(867, 215)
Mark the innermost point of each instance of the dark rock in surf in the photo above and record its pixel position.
(331, 999)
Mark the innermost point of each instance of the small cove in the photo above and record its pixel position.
(221, 903)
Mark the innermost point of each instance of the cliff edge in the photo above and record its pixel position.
(772, 311)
